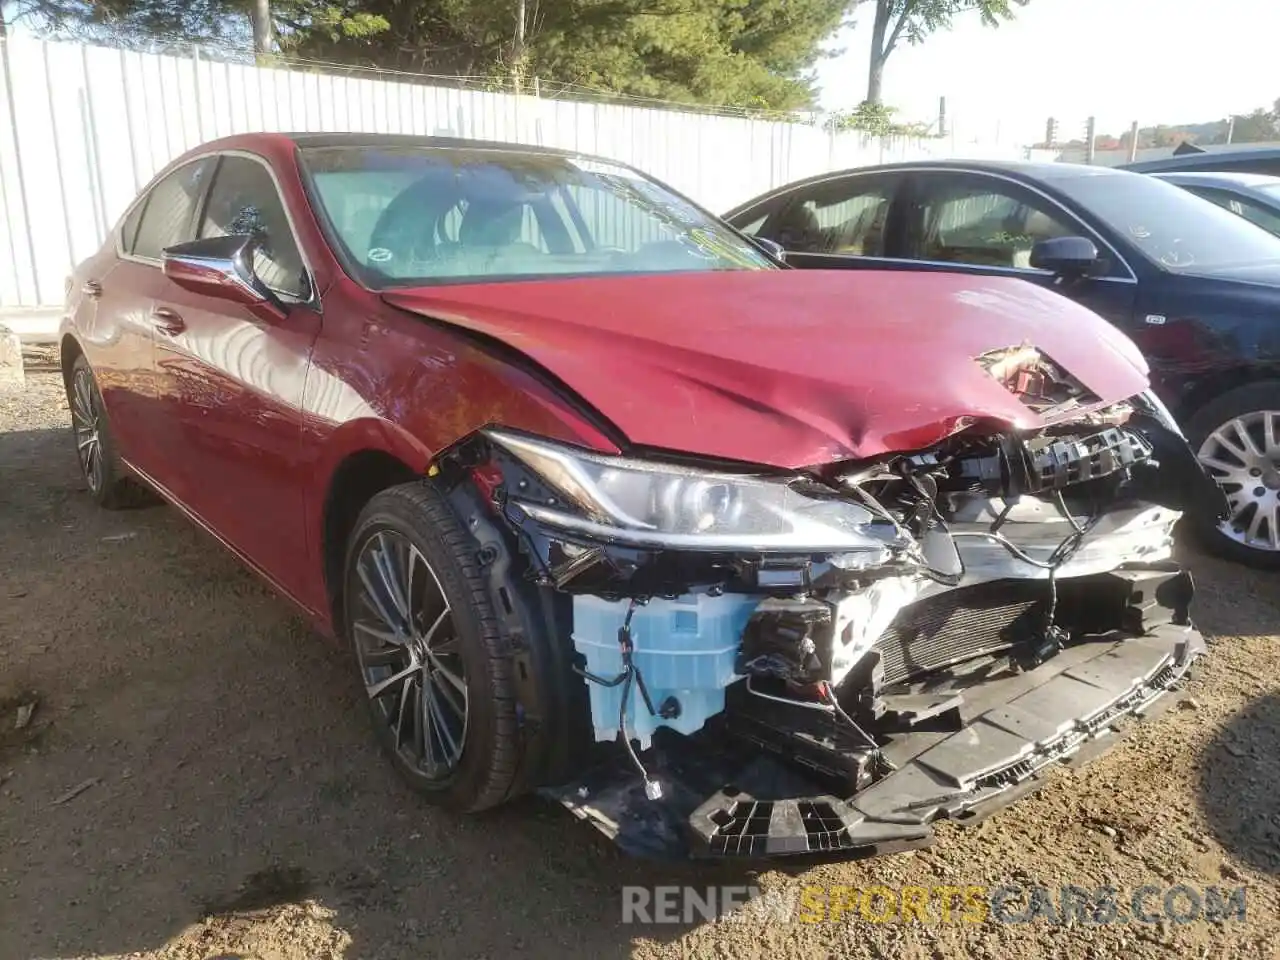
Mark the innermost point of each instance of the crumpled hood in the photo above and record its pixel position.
(789, 368)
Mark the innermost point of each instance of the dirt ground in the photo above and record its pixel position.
(232, 803)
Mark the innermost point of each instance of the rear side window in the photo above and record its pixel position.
(168, 211)
(244, 201)
(839, 217)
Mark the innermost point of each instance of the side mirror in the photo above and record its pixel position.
(222, 267)
(771, 247)
(1068, 257)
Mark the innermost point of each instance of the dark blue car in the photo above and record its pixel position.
(1197, 287)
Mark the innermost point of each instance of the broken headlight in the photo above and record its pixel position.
(648, 503)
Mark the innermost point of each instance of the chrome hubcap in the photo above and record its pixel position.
(1243, 455)
(85, 420)
(410, 653)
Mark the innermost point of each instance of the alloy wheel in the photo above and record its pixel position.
(409, 649)
(1243, 455)
(86, 421)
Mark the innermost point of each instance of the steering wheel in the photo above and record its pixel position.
(406, 230)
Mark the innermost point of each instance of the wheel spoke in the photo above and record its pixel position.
(374, 600)
(388, 637)
(406, 700)
(1230, 469)
(431, 631)
(425, 718)
(384, 563)
(446, 736)
(1270, 444)
(451, 677)
(382, 686)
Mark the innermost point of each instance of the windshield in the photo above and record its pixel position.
(1174, 228)
(419, 215)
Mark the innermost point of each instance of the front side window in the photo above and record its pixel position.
(846, 217)
(244, 201)
(416, 215)
(167, 212)
(979, 221)
(1170, 226)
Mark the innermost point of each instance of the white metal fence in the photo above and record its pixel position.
(82, 128)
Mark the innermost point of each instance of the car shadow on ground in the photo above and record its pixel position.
(1240, 785)
(198, 756)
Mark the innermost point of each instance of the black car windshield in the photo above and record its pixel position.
(406, 215)
(1171, 226)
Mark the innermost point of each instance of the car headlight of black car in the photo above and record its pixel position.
(670, 505)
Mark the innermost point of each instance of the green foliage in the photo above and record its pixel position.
(875, 119)
(743, 53)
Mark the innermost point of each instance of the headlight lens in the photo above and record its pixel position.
(670, 505)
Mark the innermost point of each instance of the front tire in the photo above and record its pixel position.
(435, 667)
(1236, 438)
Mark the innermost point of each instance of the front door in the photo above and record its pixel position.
(976, 223)
(233, 381)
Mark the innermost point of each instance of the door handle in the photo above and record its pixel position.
(91, 288)
(168, 321)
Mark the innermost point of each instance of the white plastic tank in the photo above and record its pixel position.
(684, 648)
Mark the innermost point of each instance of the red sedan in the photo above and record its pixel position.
(609, 503)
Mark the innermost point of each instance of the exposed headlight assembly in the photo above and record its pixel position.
(647, 503)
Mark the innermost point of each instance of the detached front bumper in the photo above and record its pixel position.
(724, 799)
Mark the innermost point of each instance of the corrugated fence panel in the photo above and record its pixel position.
(83, 128)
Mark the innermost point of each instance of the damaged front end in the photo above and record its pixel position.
(828, 661)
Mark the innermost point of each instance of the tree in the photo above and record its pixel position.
(748, 53)
(913, 21)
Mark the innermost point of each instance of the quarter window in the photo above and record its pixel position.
(244, 201)
(978, 221)
(166, 213)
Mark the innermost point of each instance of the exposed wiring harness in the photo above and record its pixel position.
(630, 675)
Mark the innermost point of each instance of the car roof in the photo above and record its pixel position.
(1212, 159)
(304, 140)
(1218, 178)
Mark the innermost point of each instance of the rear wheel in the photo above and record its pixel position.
(1237, 439)
(436, 670)
(95, 445)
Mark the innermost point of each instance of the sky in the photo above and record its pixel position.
(1154, 61)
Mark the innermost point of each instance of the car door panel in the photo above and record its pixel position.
(231, 385)
(120, 339)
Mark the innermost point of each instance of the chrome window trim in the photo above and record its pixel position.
(973, 171)
(216, 155)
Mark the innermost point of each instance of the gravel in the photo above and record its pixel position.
(199, 782)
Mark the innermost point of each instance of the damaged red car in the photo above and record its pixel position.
(728, 558)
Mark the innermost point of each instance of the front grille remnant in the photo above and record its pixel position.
(959, 625)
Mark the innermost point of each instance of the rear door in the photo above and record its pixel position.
(232, 381)
(125, 321)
